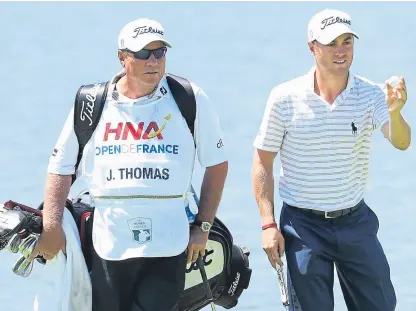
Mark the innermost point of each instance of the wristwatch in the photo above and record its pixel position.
(205, 226)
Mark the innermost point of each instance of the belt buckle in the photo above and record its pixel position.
(327, 215)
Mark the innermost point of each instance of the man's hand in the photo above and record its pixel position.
(273, 245)
(397, 130)
(396, 97)
(49, 244)
(197, 243)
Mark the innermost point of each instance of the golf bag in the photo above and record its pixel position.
(226, 264)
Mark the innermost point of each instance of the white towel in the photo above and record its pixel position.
(71, 284)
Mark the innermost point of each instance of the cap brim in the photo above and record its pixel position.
(336, 31)
(145, 41)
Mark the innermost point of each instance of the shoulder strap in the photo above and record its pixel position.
(184, 97)
(88, 106)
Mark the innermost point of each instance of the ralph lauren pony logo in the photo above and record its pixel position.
(354, 128)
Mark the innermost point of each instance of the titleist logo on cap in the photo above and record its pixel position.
(145, 29)
(333, 20)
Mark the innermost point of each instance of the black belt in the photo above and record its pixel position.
(333, 214)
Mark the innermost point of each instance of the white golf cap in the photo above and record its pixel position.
(137, 34)
(327, 25)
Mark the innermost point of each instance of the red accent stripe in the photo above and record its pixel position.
(12, 204)
(83, 229)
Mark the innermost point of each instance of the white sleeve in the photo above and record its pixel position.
(272, 129)
(208, 134)
(64, 156)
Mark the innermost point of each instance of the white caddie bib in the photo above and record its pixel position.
(139, 166)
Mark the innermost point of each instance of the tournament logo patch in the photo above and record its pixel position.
(141, 229)
(123, 129)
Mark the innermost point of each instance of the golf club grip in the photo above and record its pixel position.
(282, 285)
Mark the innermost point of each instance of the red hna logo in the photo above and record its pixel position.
(125, 129)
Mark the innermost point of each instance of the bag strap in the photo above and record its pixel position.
(184, 97)
(88, 107)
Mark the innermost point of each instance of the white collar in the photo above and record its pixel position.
(160, 90)
(311, 79)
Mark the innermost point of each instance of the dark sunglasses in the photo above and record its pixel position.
(144, 54)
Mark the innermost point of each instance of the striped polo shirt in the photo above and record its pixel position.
(324, 148)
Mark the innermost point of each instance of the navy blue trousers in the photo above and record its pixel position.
(315, 244)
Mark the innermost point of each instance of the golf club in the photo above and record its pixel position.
(205, 280)
(14, 243)
(28, 245)
(282, 285)
(23, 267)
